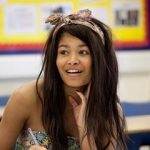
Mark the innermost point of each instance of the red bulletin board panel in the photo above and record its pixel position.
(22, 27)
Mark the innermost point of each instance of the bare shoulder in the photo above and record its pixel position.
(23, 98)
(16, 114)
(25, 95)
(27, 91)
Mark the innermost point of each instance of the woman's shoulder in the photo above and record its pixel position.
(25, 95)
(22, 101)
(28, 90)
(17, 112)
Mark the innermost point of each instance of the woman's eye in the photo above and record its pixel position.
(84, 52)
(63, 52)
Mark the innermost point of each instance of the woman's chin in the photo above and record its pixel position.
(79, 87)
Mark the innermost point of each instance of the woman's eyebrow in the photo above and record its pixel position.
(82, 45)
(66, 46)
(63, 45)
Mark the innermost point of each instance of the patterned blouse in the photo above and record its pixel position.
(25, 140)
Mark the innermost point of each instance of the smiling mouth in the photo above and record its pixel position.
(73, 71)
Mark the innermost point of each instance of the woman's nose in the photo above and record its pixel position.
(73, 61)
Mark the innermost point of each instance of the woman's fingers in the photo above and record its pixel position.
(76, 97)
(82, 97)
(37, 147)
(73, 101)
(83, 105)
(87, 92)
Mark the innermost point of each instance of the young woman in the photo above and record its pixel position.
(73, 104)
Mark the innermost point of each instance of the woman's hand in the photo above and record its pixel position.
(79, 101)
(37, 147)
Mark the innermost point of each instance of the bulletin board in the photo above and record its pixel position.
(23, 28)
(131, 24)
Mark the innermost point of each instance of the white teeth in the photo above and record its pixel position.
(73, 71)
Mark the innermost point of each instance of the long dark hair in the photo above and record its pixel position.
(102, 118)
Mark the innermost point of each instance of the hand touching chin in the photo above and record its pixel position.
(37, 147)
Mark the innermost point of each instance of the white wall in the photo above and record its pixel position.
(16, 70)
(134, 80)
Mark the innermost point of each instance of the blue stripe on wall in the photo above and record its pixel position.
(130, 109)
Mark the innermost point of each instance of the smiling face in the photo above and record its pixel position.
(73, 61)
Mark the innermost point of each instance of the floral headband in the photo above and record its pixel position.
(83, 17)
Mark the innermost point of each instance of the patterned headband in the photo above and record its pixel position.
(83, 17)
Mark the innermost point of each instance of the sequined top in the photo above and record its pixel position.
(25, 140)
